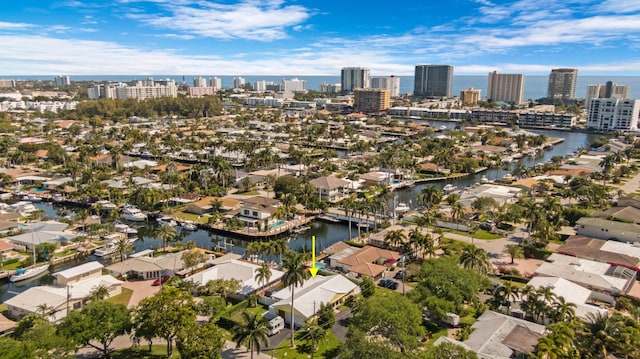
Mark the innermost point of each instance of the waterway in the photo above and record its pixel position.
(325, 233)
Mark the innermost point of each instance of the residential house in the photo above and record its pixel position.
(330, 290)
(598, 250)
(572, 293)
(499, 336)
(148, 267)
(627, 213)
(59, 298)
(79, 273)
(603, 279)
(610, 230)
(204, 205)
(259, 211)
(243, 272)
(331, 189)
(369, 261)
(42, 232)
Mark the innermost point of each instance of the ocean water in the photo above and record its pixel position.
(535, 86)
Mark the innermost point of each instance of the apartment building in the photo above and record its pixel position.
(562, 84)
(505, 87)
(391, 83)
(433, 81)
(354, 77)
(372, 100)
(613, 114)
(469, 97)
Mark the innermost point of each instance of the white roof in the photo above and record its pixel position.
(316, 290)
(79, 270)
(572, 293)
(581, 271)
(621, 248)
(235, 269)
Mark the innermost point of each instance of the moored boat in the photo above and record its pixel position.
(26, 273)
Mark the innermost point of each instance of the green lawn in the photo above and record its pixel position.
(142, 352)
(327, 348)
(122, 298)
(13, 266)
(64, 253)
(478, 234)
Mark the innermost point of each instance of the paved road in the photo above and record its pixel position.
(339, 329)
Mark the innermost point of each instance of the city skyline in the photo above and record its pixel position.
(278, 37)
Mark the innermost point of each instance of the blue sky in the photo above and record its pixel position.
(298, 37)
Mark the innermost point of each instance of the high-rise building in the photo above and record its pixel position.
(608, 90)
(613, 114)
(142, 90)
(215, 82)
(330, 88)
(238, 82)
(433, 81)
(562, 84)
(199, 82)
(353, 78)
(371, 100)
(62, 80)
(505, 87)
(294, 85)
(391, 83)
(7, 83)
(470, 97)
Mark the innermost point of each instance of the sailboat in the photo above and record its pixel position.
(30, 272)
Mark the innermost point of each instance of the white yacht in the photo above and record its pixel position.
(25, 208)
(188, 226)
(132, 213)
(106, 205)
(110, 247)
(402, 208)
(125, 228)
(26, 273)
(166, 220)
(449, 188)
(31, 198)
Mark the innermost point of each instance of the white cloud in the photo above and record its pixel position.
(620, 6)
(177, 36)
(14, 25)
(254, 20)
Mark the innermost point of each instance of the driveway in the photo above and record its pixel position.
(339, 329)
(141, 289)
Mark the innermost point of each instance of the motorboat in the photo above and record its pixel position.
(132, 213)
(125, 228)
(188, 226)
(26, 273)
(449, 188)
(166, 220)
(106, 205)
(402, 208)
(31, 198)
(25, 208)
(111, 246)
(484, 179)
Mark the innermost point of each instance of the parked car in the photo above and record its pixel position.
(399, 274)
(160, 280)
(388, 283)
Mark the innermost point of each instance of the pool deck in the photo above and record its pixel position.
(253, 233)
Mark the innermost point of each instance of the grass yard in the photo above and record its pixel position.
(327, 348)
(122, 298)
(478, 234)
(142, 352)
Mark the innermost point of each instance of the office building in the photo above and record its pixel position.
(294, 85)
(371, 100)
(391, 83)
(608, 90)
(353, 78)
(62, 81)
(330, 88)
(613, 114)
(433, 81)
(238, 82)
(562, 84)
(505, 87)
(199, 82)
(469, 97)
(215, 82)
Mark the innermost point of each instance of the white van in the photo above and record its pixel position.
(276, 325)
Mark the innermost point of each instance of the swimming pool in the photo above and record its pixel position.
(279, 223)
(39, 190)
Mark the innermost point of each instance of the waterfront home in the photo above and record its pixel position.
(499, 336)
(610, 230)
(331, 189)
(42, 232)
(604, 279)
(330, 290)
(626, 214)
(243, 272)
(148, 267)
(502, 194)
(259, 211)
(56, 183)
(600, 250)
(59, 298)
(79, 273)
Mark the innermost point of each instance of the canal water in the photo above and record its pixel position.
(325, 233)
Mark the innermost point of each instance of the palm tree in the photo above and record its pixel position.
(314, 333)
(514, 251)
(166, 233)
(263, 274)
(252, 331)
(45, 311)
(99, 292)
(394, 238)
(457, 212)
(123, 247)
(295, 274)
(563, 310)
(416, 238)
(508, 293)
(607, 163)
(475, 258)
(603, 333)
(430, 197)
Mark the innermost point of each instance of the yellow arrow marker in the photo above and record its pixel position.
(313, 270)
